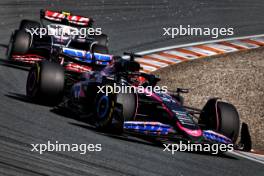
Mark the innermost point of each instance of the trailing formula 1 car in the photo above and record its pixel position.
(60, 37)
(161, 115)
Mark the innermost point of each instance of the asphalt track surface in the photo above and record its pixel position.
(134, 26)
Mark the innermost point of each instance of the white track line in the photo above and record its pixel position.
(184, 55)
(226, 49)
(201, 51)
(247, 156)
(197, 43)
(261, 40)
(174, 60)
(155, 63)
(244, 44)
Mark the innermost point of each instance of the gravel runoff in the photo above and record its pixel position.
(237, 78)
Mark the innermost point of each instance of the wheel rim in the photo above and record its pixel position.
(102, 106)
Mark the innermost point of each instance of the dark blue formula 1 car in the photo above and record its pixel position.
(160, 115)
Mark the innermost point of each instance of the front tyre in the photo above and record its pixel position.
(129, 104)
(221, 117)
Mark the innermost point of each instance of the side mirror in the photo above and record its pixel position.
(182, 90)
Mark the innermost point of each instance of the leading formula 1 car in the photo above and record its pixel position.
(62, 43)
(161, 115)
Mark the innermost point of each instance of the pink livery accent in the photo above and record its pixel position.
(217, 116)
(195, 133)
(153, 95)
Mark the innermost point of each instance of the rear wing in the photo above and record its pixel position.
(65, 17)
(87, 56)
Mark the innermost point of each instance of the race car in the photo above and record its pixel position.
(56, 37)
(160, 115)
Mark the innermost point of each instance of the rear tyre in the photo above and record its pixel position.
(20, 42)
(101, 40)
(221, 117)
(45, 83)
(125, 110)
(10, 47)
(28, 24)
